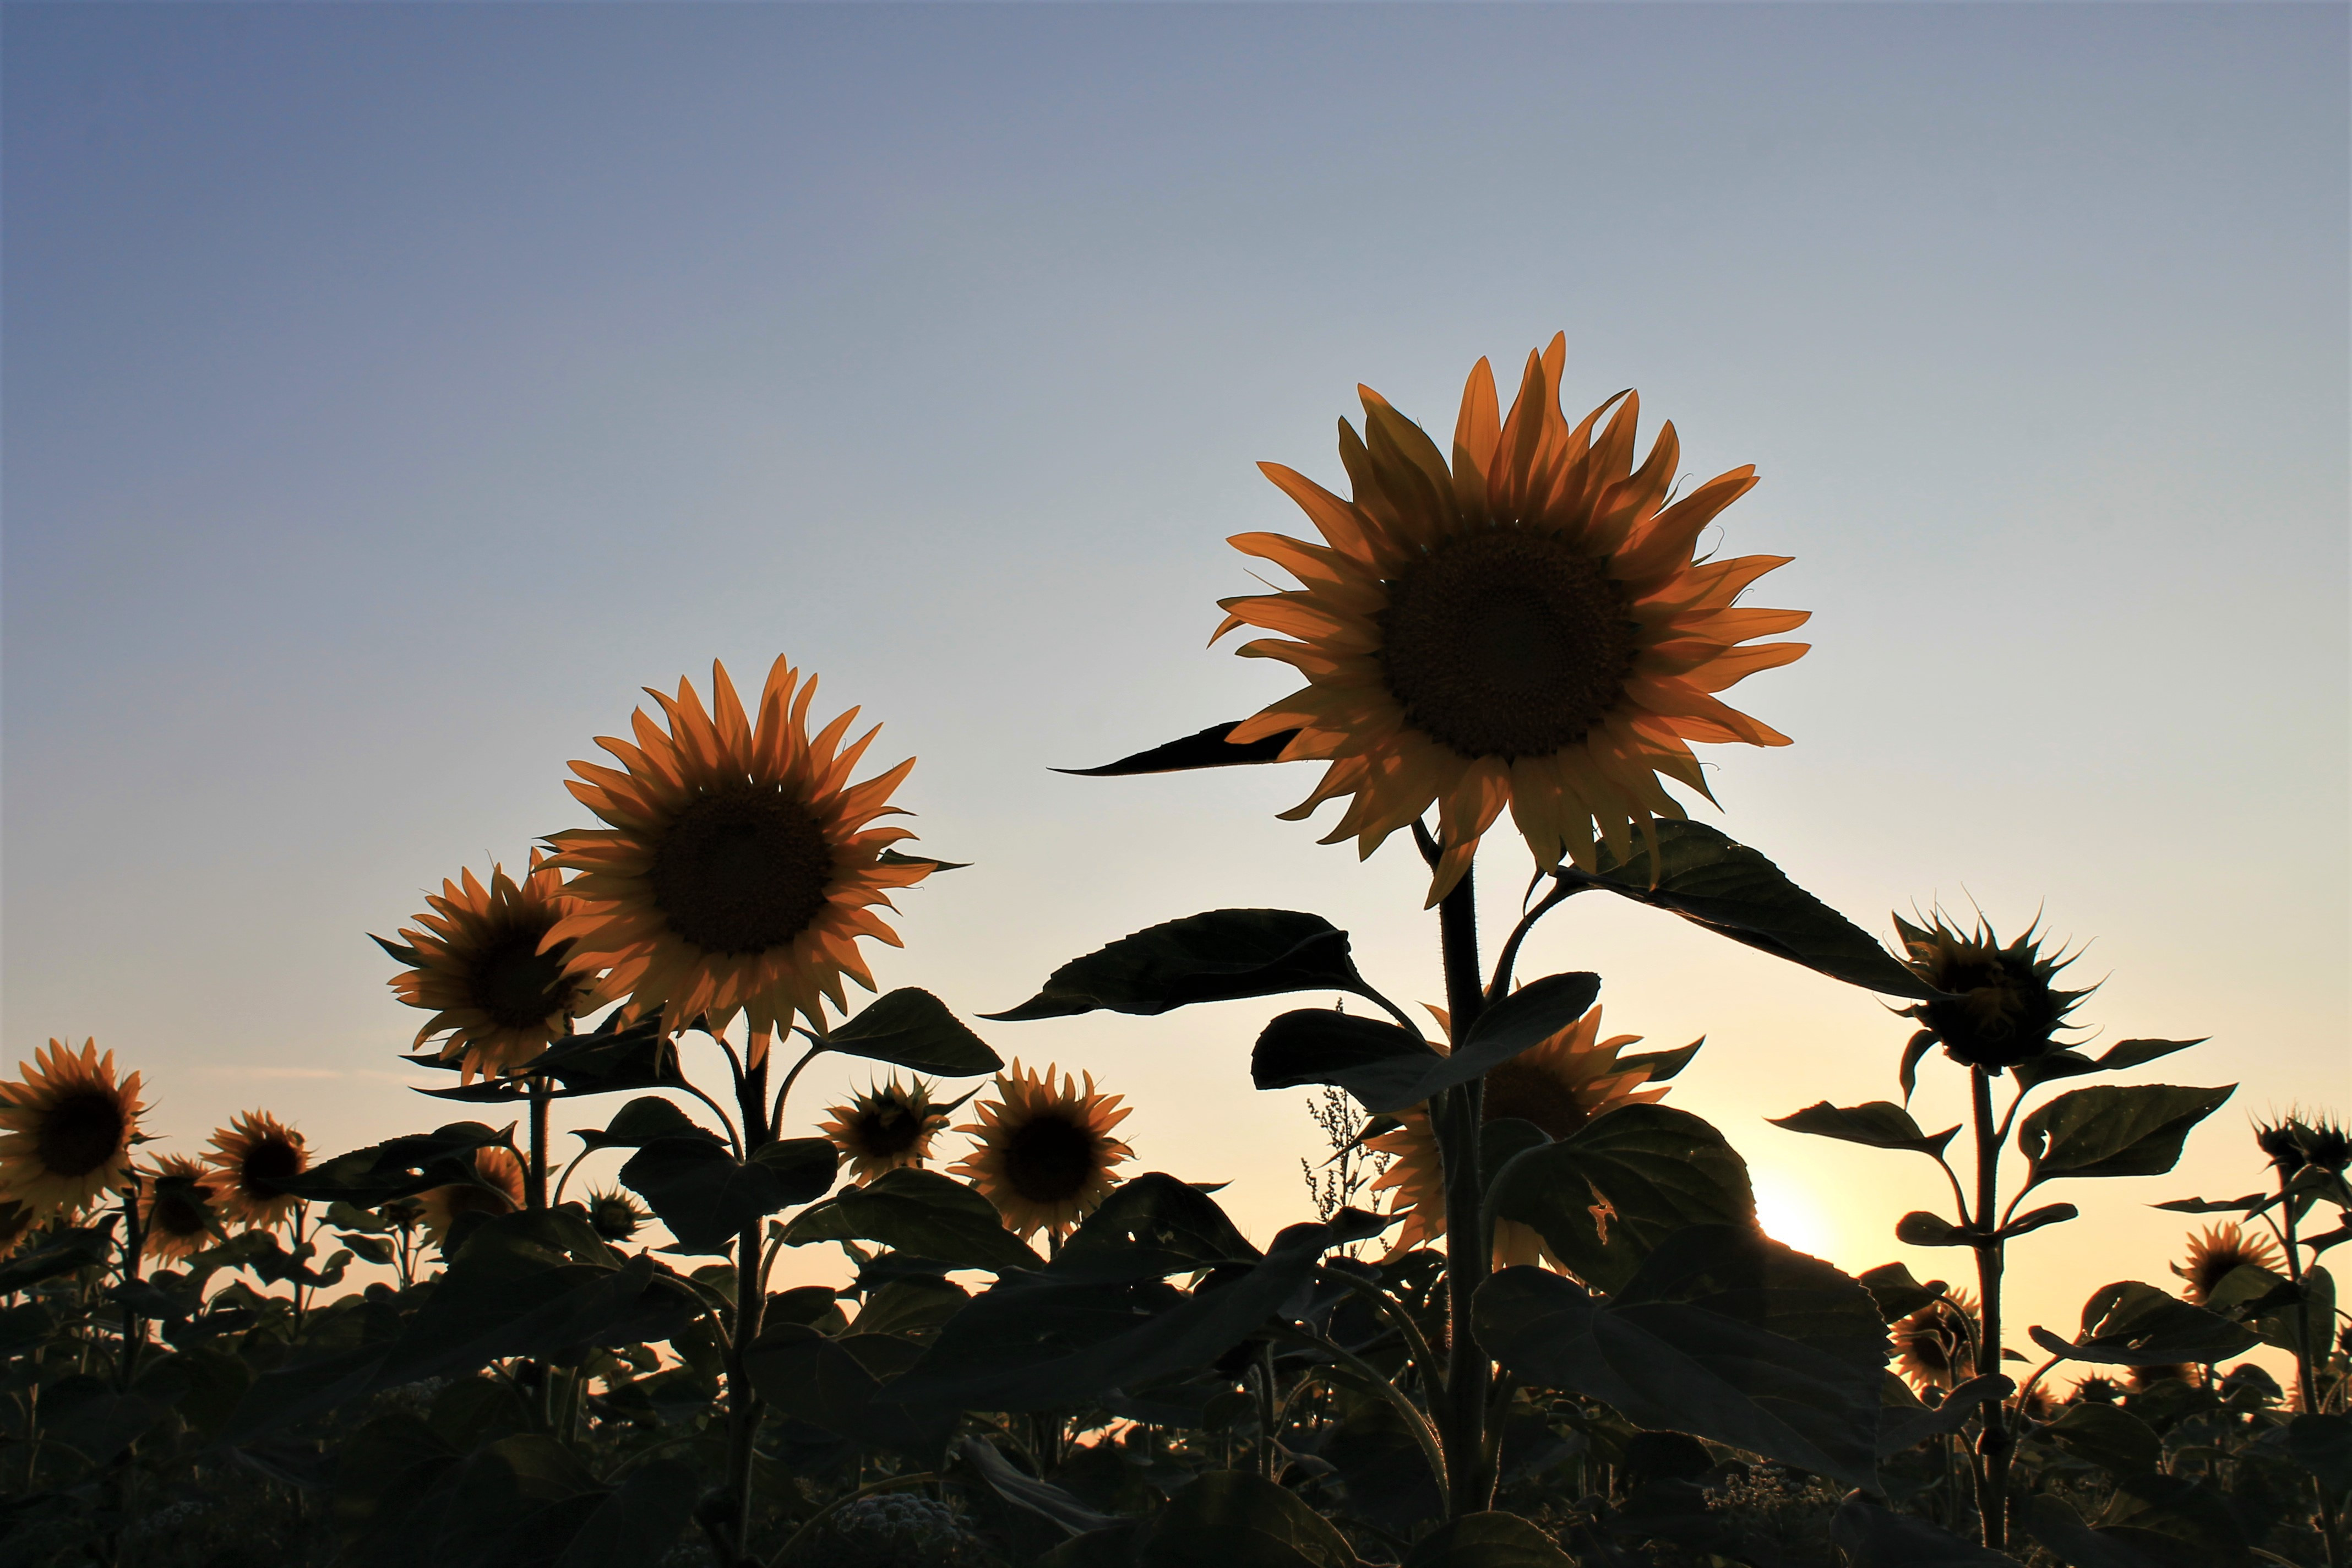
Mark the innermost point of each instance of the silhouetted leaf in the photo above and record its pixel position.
(1921, 1228)
(1220, 956)
(1905, 1426)
(2034, 1219)
(642, 1121)
(1898, 1295)
(2114, 1130)
(640, 1522)
(918, 1212)
(400, 1167)
(63, 1253)
(893, 857)
(707, 1197)
(1605, 1194)
(912, 1028)
(1874, 1537)
(2106, 1436)
(1486, 1540)
(2061, 1532)
(617, 1056)
(1881, 1124)
(1026, 1492)
(815, 1379)
(2323, 1445)
(1201, 749)
(2246, 1205)
(2131, 1324)
(1723, 1333)
(1661, 1065)
(1238, 1520)
(1158, 1211)
(1384, 1066)
(1734, 891)
(2114, 1058)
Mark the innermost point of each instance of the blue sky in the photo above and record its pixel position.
(392, 391)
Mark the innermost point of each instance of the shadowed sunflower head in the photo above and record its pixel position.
(1934, 1346)
(2295, 1142)
(738, 869)
(1525, 624)
(2097, 1389)
(67, 1127)
(485, 970)
(886, 1127)
(16, 1222)
(2219, 1248)
(175, 1207)
(1559, 1085)
(252, 1155)
(500, 1191)
(2006, 1007)
(2143, 1378)
(1044, 1155)
(615, 1216)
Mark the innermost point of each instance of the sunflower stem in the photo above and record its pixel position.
(535, 1180)
(1994, 1442)
(1455, 1115)
(744, 1405)
(132, 1328)
(2306, 1386)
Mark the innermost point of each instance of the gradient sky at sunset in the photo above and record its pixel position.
(392, 391)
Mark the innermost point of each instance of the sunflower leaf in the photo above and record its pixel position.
(1157, 1210)
(617, 1056)
(1486, 1540)
(910, 1027)
(641, 1121)
(1025, 1492)
(2131, 1324)
(1881, 1124)
(817, 1380)
(2134, 1130)
(1518, 1022)
(1906, 1426)
(1898, 1295)
(1240, 1521)
(1386, 1068)
(1661, 1065)
(1201, 749)
(707, 1197)
(1708, 879)
(921, 1213)
(1607, 1194)
(2106, 1436)
(1875, 1537)
(64, 1254)
(1222, 955)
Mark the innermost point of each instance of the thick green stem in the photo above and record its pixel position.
(535, 1179)
(744, 1407)
(2306, 1384)
(1454, 1116)
(1995, 1442)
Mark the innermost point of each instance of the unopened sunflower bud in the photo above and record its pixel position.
(2005, 1008)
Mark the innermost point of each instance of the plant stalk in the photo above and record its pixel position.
(535, 1179)
(1455, 1117)
(1995, 1442)
(2307, 1385)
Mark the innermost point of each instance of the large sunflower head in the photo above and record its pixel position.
(739, 868)
(501, 1191)
(485, 969)
(1934, 1346)
(886, 1127)
(67, 1127)
(2006, 1007)
(253, 1153)
(1559, 1085)
(1043, 1156)
(1527, 625)
(174, 1217)
(2219, 1248)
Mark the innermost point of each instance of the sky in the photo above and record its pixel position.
(390, 392)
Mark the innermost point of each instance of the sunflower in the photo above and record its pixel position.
(738, 868)
(1936, 1346)
(176, 1226)
(2218, 1249)
(615, 1216)
(2143, 1378)
(1528, 625)
(1559, 1085)
(67, 1127)
(2096, 1390)
(2005, 1008)
(885, 1128)
(481, 970)
(1044, 1156)
(16, 1222)
(253, 1153)
(500, 1168)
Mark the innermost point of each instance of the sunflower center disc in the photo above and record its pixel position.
(890, 1129)
(1505, 643)
(517, 985)
(742, 869)
(176, 1216)
(266, 1163)
(82, 1131)
(1516, 1089)
(1050, 1160)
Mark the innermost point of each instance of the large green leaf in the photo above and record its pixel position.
(912, 1028)
(1026, 1492)
(1220, 956)
(1723, 1333)
(64, 1253)
(1881, 1124)
(2114, 1130)
(1238, 1520)
(400, 1167)
(2060, 1532)
(640, 1522)
(2131, 1324)
(2114, 1058)
(1384, 1066)
(918, 1212)
(2108, 1437)
(1875, 1537)
(1898, 1295)
(1486, 1540)
(1201, 749)
(709, 1198)
(617, 1056)
(1734, 891)
(642, 1121)
(1607, 1194)
(1157, 1210)
(816, 1380)
(1903, 1423)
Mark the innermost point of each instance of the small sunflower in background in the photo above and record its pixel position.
(614, 1215)
(885, 1128)
(1043, 1156)
(740, 865)
(2219, 1248)
(2143, 1378)
(251, 1156)
(16, 1222)
(1934, 1346)
(1527, 625)
(67, 1127)
(2006, 1007)
(1559, 1085)
(500, 1168)
(484, 967)
(175, 1225)
(2096, 1390)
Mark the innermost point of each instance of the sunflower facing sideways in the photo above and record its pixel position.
(502, 1169)
(66, 1129)
(1559, 1085)
(738, 865)
(252, 1155)
(482, 971)
(1527, 625)
(1043, 1156)
(1934, 1347)
(885, 1128)
(2219, 1248)
(175, 1227)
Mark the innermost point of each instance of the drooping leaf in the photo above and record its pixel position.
(709, 1198)
(1898, 1295)
(2114, 1058)
(912, 1028)
(1607, 1194)
(2106, 1436)
(2246, 1205)
(1234, 1520)
(641, 1121)
(400, 1167)
(803, 1167)
(1384, 1066)
(1503, 1140)
(63, 1253)
(1220, 956)
(1201, 749)
(2131, 1324)
(918, 1212)
(2034, 1219)
(1661, 1064)
(1026, 1492)
(1903, 1427)
(815, 1379)
(893, 857)
(639, 1522)
(1734, 891)
(2132, 1130)
(615, 1056)
(1881, 1124)
(1486, 1540)
(1875, 1537)
(1723, 1333)
(1158, 1211)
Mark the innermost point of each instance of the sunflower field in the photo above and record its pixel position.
(1529, 1318)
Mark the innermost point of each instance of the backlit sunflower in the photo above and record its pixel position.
(1042, 1155)
(1527, 625)
(173, 1226)
(481, 971)
(885, 1128)
(67, 1127)
(1559, 1084)
(1934, 1346)
(738, 868)
(16, 1222)
(2219, 1248)
(615, 1216)
(253, 1153)
(504, 1195)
